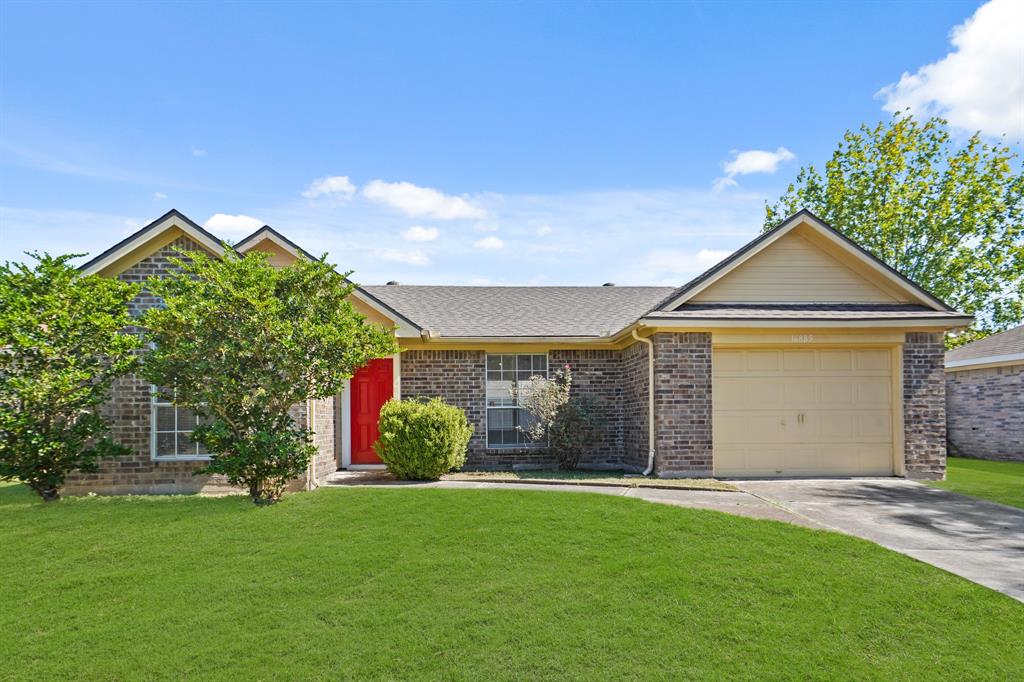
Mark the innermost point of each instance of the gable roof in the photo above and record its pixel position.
(173, 218)
(802, 217)
(267, 233)
(521, 312)
(176, 219)
(1006, 347)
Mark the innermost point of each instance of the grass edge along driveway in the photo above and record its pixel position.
(468, 584)
(1001, 482)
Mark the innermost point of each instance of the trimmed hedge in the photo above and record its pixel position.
(422, 439)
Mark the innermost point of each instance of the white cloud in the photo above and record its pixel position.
(418, 233)
(414, 257)
(198, 152)
(980, 84)
(543, 230)
(159, 196)
(490, 243)
(723, 183)
(685, 262)
(751, 161)
(756, 161)
(335, 186)
(234, 226)
(421, 201)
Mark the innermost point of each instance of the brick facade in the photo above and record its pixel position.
(634, 408)
(458, 377)
(985, 413)
(924, 405)
(129, 413)
(682, 403)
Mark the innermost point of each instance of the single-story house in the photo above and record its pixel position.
(985, 397)
(798, 355)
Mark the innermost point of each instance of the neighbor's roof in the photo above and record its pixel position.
(1005, 346)
(802, 311)
(475, 312)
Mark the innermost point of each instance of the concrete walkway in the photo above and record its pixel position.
(978, 540)
(739, 503)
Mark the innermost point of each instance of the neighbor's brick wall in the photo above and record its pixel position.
(634, 407)
(682, 403)
(924, 405)
(985, 413)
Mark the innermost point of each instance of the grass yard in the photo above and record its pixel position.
(472, 584)
(997, 481)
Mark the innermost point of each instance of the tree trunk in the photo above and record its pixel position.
(264, 492)
(48, 493)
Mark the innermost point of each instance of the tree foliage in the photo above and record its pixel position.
(62, 345)
(568, 423)
(241, 342)
(948, 216)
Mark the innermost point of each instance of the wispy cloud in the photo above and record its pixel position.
(418, 233)
(979, 85)
(334, 187)
(418, 202)
(86, 163)
(638, 236)
(412, 257)
(159, 196)
(751, 161)
(490, 243)
(59, 231)
(197, 152)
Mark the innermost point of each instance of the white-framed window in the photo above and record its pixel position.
(171, 433)
(508, 377)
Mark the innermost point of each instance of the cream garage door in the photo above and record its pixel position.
(802, 412)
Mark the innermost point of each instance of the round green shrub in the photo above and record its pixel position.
(422, 439)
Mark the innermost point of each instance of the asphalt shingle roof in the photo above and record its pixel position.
(1009, 342)
(467, 311)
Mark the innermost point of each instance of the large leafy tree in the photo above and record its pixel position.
(948, 216)
(241, 342)
(63, 342)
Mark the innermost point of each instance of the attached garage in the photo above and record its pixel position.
(780, 411)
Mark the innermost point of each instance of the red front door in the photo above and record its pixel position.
(372, 386)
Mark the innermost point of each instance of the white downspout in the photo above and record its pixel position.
(650, 402)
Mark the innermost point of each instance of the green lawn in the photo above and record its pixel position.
(996, 481)
(472, 584)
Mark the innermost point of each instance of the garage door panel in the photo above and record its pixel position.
(836, 360)
(802, 412)
(798, 360)
(874, 360)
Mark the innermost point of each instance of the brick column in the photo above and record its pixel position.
(924, 405)
(682, 404)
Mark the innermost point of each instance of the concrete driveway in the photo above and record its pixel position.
(978, 540)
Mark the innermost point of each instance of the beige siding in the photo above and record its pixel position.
(796, 269)
(278, 257)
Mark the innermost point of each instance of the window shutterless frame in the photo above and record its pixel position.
(190, 453)
(503, 415)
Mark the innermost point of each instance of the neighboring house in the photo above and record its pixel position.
(798, 355)
(985, 397)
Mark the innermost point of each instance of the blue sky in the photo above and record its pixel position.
(532, 143)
